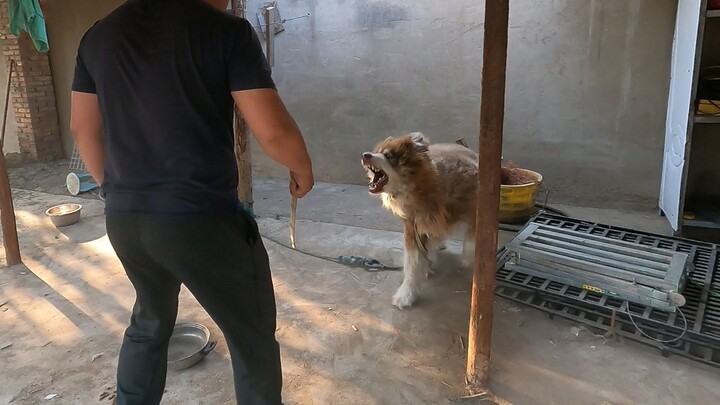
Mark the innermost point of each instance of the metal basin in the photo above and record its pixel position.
(190, 342)
(64, 214)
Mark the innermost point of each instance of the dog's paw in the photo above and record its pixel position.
(404, 297)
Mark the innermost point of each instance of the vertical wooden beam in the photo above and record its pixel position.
(7, 210)
(488, 195)
(7, 214)
(242, 145)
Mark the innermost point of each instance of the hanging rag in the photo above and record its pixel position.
(26, 15)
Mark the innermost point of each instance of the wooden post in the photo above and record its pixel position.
(7, 210)
(242, 145)
(270, 35)
(488, 195)
(7, 214)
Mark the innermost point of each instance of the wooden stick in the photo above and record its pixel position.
(270, 55)
(488, 193)
(243, 157)
(293, 216)
(7, 103)
(7, 210)
(613, 321)
(468, 397)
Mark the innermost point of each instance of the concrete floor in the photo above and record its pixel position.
(65, 309)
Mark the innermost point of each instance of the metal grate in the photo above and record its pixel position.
(641, 274)
(702, 292)
(76, 162)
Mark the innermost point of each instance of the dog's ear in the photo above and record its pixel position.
(420, 141)
(382, 144)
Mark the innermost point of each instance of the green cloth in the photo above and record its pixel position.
(26, 15)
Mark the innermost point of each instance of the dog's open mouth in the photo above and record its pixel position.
(378, 181)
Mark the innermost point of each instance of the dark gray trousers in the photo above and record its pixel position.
(222, 261)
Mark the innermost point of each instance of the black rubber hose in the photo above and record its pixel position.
(517, 228)
(510, 228)
(551, 209)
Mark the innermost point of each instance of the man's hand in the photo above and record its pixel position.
(277, 134)
(301, 183)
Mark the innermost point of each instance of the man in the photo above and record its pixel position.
(152, 107)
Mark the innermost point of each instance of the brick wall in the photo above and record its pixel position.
(33, 95)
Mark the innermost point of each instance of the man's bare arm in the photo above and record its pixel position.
(278, 134)
(86, 126)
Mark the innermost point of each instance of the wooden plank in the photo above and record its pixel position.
(243, 156)
(492, 110)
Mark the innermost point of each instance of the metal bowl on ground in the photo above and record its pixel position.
(190, 342)
(64, 214)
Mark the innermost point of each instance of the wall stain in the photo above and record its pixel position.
(378, 14)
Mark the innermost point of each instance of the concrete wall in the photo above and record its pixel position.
(12, 145)
(586, 88)
(67, 21)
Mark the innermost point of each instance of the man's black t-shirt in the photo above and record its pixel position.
(163, 71)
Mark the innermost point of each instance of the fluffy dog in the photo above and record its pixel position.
(432, 188)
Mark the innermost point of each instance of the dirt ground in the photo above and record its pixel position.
(64, 311)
